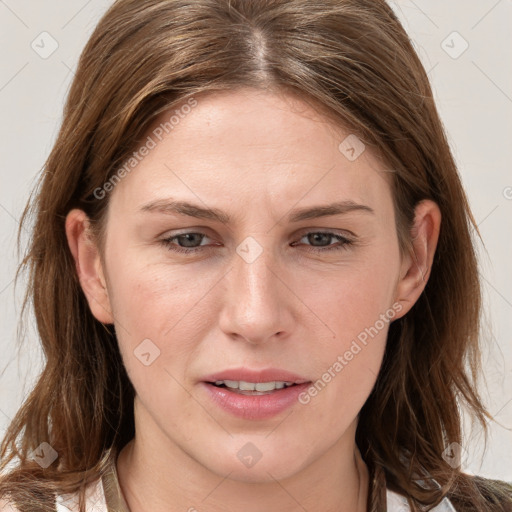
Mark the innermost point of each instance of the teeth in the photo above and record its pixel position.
(265, 386)
(248, 386)
(253, 386)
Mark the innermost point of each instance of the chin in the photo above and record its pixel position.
(265, 470)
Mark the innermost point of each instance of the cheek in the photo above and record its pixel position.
(347, 366)
(353, 297)
(357, 305)
(152, 296)
(156, 310)
(164, 304)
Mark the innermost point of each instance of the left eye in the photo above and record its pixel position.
(319, 236)
(190, 239)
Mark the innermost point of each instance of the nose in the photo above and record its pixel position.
(257, 302)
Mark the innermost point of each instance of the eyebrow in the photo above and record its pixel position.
(172, 207)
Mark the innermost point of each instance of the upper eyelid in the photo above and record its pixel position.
(300, 234)
(307, 229)
(205, 230)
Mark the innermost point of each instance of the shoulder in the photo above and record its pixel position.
(490, 494)
(25, 505)
(95, 500)
(494, 489)
(398, 503)
(475, 494)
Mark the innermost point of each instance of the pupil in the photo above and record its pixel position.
(318, 237)
(186, 237)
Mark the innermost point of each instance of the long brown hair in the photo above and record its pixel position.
(354, 61)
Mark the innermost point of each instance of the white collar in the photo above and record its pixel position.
(398, 503)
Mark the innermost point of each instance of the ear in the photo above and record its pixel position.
(88, 265)
(416, 266)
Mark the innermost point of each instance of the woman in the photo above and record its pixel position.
(252, 272)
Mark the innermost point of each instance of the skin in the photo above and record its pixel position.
(257, 156)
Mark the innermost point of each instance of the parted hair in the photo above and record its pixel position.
(354, 62)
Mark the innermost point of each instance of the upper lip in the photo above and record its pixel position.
(248, 375)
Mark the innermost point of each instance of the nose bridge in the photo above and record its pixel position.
(254, 277)
(255, 302)
(253, 267)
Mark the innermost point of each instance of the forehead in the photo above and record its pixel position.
(256, 146)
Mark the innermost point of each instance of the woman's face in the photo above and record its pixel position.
(260, 282)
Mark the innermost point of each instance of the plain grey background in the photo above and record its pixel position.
(465, 47)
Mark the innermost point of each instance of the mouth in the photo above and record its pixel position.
(254, 394)
(252, 388)
(254, 401)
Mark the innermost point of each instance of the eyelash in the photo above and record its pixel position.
(345, 243)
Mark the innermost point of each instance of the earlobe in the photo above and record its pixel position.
(416, 267)
(88, 265)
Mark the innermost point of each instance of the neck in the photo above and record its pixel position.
(335, 482)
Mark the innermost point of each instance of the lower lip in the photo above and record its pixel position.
(255, 407)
